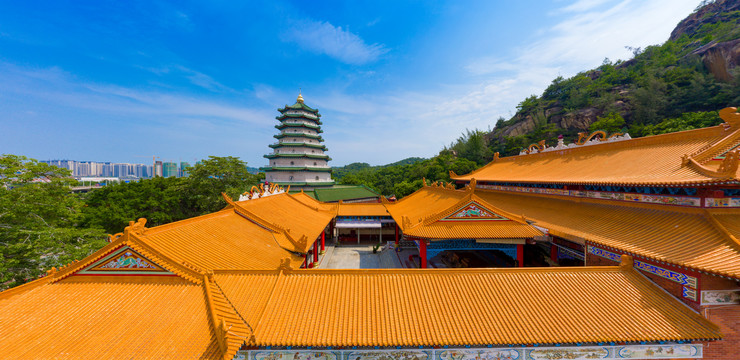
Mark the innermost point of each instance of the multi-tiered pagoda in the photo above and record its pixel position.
(298, 158)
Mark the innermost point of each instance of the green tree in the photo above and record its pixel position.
(610, 123)
(38, 219)
(216, 175)
(159, 200)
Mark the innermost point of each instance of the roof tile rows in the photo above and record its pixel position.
(670, 159)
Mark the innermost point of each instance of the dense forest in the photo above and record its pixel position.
(679, 85)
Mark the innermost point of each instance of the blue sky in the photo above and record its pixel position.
(123, 81)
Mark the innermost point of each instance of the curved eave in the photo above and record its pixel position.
(314, 146)
(298, 116)
(299, 106)
(307, 126)
(611, 183)
(310, 136)
(274, 156)
(303, 183)
(296, 168)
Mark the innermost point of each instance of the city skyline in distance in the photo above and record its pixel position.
(108, 82)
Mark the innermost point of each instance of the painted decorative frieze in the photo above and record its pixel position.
(681, 278)
(124, 261)
(689, 293)
(673, 351)
(575, 353)
(692, 201)
(720, 297)
(473, 211)
(648, 352)
(479, 354)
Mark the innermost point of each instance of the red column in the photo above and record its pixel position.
(323, 241)
(553, 252)
(423, 253)
(396, 234)
(520, 254)
(316, 253)
(305, 261)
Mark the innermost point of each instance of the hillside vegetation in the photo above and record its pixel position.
(676, 86)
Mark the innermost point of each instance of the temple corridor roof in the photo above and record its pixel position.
(698, 238)
(415, 307)
(680, 158)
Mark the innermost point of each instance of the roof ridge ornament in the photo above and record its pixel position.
(627, 262)
(731, 116)
(135, 227)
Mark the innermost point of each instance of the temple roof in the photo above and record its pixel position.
(361, 209)
(477, 307)
(299, 221)
(676, 159)
(702, 239)
(437, 212)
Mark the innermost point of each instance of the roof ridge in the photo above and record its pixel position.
(721, 229)
(631, 143)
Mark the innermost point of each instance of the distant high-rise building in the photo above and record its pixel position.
(169, 169)
(158, 168)
(184, 166)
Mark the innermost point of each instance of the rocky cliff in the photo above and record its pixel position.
(702, 56)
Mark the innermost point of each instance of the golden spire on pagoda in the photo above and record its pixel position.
(300, 97)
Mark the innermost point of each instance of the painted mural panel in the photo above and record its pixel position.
(387, 355)
(632, 197)
(673, 351)
(479, 354)
(579, 353)
(720, 297)
(473, 211)
(295, 355)
(126, 261)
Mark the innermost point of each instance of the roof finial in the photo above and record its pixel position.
(300, 97)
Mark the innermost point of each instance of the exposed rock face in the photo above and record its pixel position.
(580, 119)
(521, 127)
(709, 14)
(720, 58)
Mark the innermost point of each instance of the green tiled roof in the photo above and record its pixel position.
(310, 136)
(298, 116)
(344, 192)
(284, 125)
(312, 156)
(315, 146)
(299, 105)
(296, 183)
(295, 168)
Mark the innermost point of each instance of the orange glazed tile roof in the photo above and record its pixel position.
(222, 240)
(670, 159)
(419, 307)
(300, 223)
(681, 236)
(107, 317)
(361, 209)
(436, 212)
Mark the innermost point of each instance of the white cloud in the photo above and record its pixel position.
(324, 38)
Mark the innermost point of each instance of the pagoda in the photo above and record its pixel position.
(298, 158)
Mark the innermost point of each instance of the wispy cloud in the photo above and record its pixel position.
(324, 38)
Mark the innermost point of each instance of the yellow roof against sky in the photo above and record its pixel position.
(652, 160)
(677, 235)
(452, 307)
